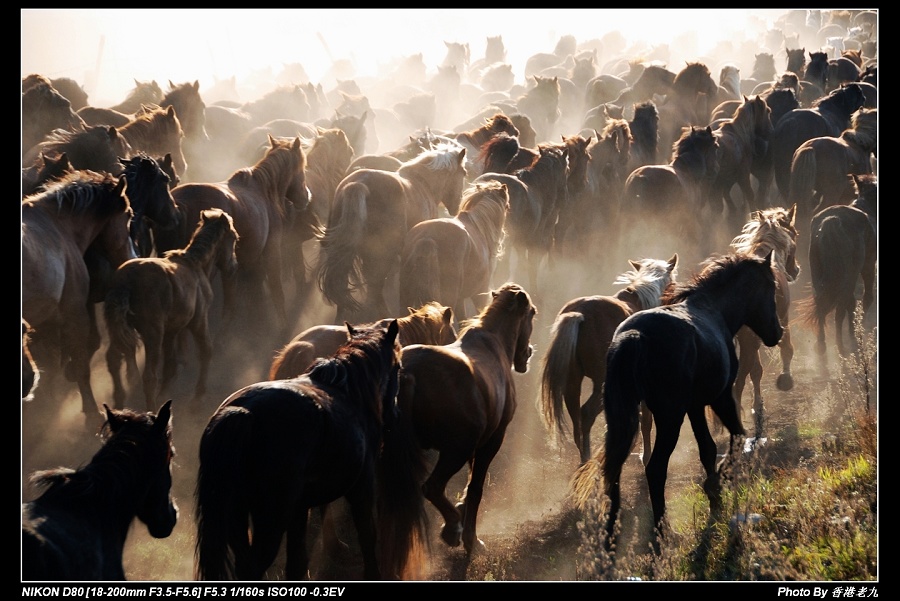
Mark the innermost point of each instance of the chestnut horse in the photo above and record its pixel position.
(461, 398)
(579, 339)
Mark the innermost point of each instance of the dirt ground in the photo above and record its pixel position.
(524, 513)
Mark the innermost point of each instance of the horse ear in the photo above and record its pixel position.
(271, 140)
(448, 315)
(792, 214)
(111, 418)
(635, 264)
(164, 416)
(770, 258)
(170, 111)
(462, 155)
(393, 330)
(411, 310)
(350, 330)
(673, 261)
(196, 85)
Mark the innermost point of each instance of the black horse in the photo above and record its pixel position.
(76, 529)
(678, 359)
(274, 450)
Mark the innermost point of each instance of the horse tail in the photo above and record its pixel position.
(339, 271)
(116, 308)
(403, 539)
(622, 403)
(292, 360)
(420, 275)
(829, 276)
(222, 515)
(803, 179)
(557, 363)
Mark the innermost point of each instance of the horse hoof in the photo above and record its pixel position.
(784, 382)
(452, 535)
(475, 548)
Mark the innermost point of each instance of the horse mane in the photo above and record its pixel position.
(443, 157)
(863, 129)
(498, 152)
(214, 223)
(485, 205)
(356, 365)
(743, 123)
(764, 233)
(687, 78)
(650, 282)
(283, 156)
(691, 140)
(79, 191)
(504, 300)
(419, 324)
(155, 123)
(715, 274)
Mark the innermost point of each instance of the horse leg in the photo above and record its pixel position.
(475, 490)
(202, 341)
(297, 559)
(276, 288)
(843, 310)
(785, 381)
(712, 486)
(153, 357)
(646, 429)
(588, 415)
(572, 400)
(656, 470)
(362, 499)
(447, 465)
(78, 369)
(114, 357)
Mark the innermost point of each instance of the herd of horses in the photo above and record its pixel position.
(417, 248)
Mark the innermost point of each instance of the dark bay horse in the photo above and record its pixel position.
(821, 165)
(536, 194)
(580, 337)
(260, 199)
(80, 210)
(452, 259)
(461, 398)
(95, 148)
(157, 298)
(741, 138)
(829, 116)
(432, 323)
(371, 214)
(843, 250)
(769, 230)
(274, 450)
(77, 528)
(680, 358)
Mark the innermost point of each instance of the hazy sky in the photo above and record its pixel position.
(106, 50)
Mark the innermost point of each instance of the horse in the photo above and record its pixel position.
(474, 139)
(432, 323)
(829, 116)
(580, 335)
(677, 359)
(156, 131)
(260, 199)
(143, 93)
(149, 193)
(273, 450)
(31, 373)
(541, 103)
(44, 110)
(594, 208)
(669, 197)
(843, 250)
(77, 528)
(58, 225)
(461, 398)
(689, 102)
(371, 214)
(452, 259)
(820, 167)
(770, 230)
(47, 169)
(157, 298)
(741, 138)
(536, 194)
(96, 148)
(191, 111)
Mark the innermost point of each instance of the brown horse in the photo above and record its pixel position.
(260, 199)
(58, 225)
(48, 168)
(96, 148)
(770, 230)
(474, 139)
(371, 214)
(461, 397)
(159, 297)
(843, 250)
(156, 131)
(741, 138)
(689, 102)
(452, 259)
(579, 340)
(821, 166)
(431, 323)
(44, 110)
(536, 194)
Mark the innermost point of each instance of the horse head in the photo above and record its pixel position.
(519, 302)
(763, 318)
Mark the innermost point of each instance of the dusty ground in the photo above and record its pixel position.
(525, 520)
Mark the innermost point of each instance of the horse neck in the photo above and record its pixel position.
(267, 178)
(201, 251)
(430, 186)
(864, 141)
(630, 297)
